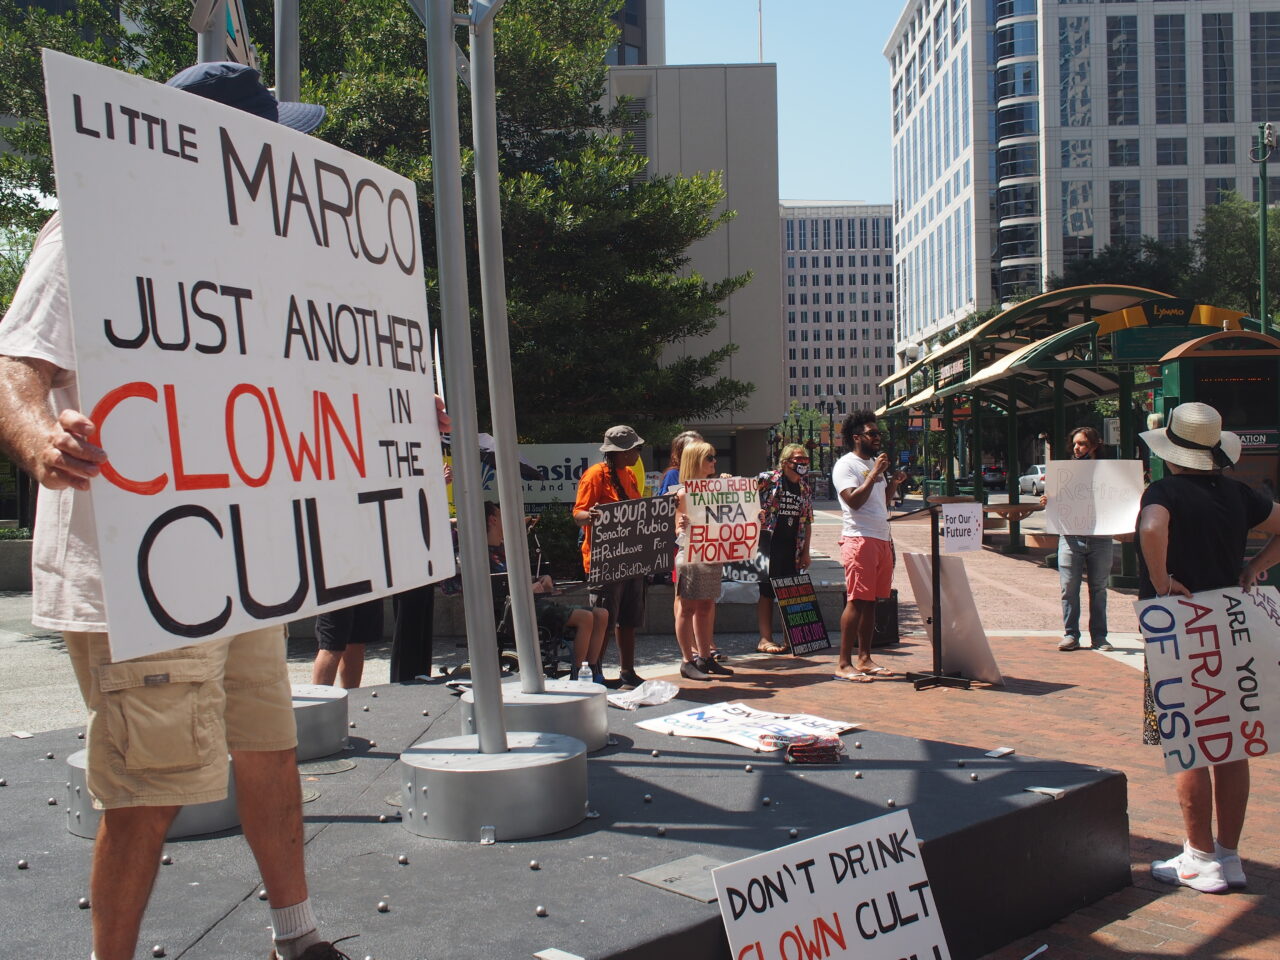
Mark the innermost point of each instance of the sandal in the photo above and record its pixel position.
(766, 645)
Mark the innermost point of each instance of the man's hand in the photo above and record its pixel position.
(67, 458)
(879, 468)
(443, 423)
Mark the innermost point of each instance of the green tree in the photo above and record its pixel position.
(1166, 267)
(1226, 245)
(605, 314)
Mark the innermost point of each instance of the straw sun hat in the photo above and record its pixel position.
(1194, 439)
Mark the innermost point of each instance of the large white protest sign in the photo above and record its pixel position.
(251, 341)
(1092, 498)
(965, 649)
(1215, 676)
(860, 891)
(724, 520)
(742, 725)
(961, 527)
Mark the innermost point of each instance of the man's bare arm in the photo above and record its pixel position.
(57, 452)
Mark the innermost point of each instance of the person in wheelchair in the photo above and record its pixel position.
(556, 619)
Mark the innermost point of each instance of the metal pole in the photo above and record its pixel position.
(287, 58)
(1264, 147)
(446, 167)
(493, 294)
(211, 44)
(935, 573)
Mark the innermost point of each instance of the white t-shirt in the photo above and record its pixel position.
(872, 518)
(66, 574)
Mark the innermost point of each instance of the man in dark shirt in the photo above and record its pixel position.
(1192, 531)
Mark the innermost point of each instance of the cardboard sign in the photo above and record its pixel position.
(860, 891)
(740, 724)
(801, 615)
(632, 538)
(724, 520)
(1092, 498)
(961, 527)
(965, 649)
(250, 327)
(1215, 677)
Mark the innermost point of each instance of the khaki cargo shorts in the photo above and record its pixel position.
(160, 726)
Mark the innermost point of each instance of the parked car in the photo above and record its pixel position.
(993, 477)
(1032, 482)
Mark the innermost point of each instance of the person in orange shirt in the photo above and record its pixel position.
(611, 481)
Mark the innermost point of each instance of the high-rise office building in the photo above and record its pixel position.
(837, 302)
(1028, 132)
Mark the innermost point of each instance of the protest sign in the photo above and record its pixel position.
(1092, 498)
(632, 538)
(737, 723)
(965, 650)
(961, 527)
(724, 520)
(250, 328)
(860, 891)
(801, 615)
(1212, 659)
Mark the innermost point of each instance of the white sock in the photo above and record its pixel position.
(1200, 854)
(294, 929)
(1222, 851)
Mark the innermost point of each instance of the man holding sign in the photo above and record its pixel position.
(865, 486)
(1192, 532)
(159, 726)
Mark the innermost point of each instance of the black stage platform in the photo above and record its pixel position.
(1002, 861)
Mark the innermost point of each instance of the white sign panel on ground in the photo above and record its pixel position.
(961, 527)
(1215, 678)
(965, 649)
(724, 520)
(1092, 498)
(251, 341)
(743, 725)
(860, 891)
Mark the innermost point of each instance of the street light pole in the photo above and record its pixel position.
(1266, 143)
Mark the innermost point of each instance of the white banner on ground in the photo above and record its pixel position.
(1092, 498)
(251, 339)
(724, 520)
(743, 725)
(860, 891)
(1215, 678)
(965, 649)
(961, 527)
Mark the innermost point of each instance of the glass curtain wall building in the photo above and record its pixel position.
(1029, 132)
(837, 302)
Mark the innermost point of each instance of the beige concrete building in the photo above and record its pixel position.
(697, 119)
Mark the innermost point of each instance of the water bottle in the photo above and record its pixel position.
(584, 674)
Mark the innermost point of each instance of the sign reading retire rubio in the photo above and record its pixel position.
(724, 520)
(1090, 498)
(860, 891)
(1214, 674)
(801, 615)
(632, 538)
(251, 342)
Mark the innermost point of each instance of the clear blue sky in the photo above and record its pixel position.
(833, 84)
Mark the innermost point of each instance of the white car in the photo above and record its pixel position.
(1033, 482)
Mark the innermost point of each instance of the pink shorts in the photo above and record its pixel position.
(868, 567)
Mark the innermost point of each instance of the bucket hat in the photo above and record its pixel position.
(1194, 439)
(241, 87)
(620, 439)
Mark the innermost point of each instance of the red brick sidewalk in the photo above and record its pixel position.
(1081, 707)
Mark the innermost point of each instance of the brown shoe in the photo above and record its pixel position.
(321, 951)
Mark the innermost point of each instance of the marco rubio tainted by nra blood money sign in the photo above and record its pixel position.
(724, 520)
(1215, 678)
(251, 340)
(858, 892)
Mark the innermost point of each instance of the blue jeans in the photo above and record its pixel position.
(1076, 555)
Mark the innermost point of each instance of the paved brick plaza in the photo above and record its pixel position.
(1082, 707)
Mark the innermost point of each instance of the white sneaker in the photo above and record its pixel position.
(1232, 868)
(1191, 871)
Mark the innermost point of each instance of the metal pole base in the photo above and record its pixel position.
(191, 821)
(922, 681)
(564, 707)
(321, 715)
(451, 791)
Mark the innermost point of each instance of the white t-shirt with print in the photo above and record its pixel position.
(872, 518)
(66, 573)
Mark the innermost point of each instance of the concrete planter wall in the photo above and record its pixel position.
(15, 565)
